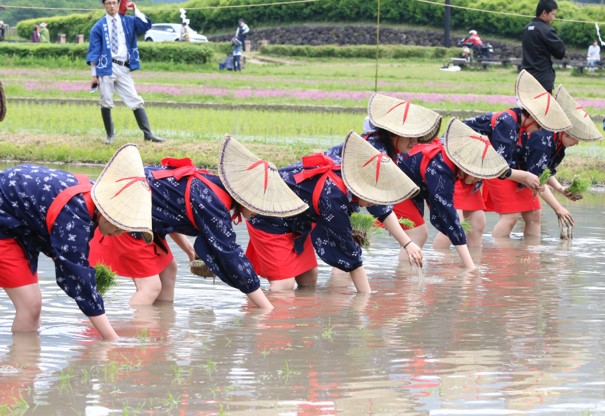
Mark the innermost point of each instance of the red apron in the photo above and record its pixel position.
(150, 259)
(283, 256)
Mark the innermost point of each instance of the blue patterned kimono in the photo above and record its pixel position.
(216, 241)
(331, 232)
(543, 149)
(99, 48)
(26, 192)
(437, 191)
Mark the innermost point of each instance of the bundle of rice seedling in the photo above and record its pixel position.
(106, 278)
(565, 229)
(407, 223)
(363, 226)
(579, 185)
(199, 268)
(544, 176)
(466, 226)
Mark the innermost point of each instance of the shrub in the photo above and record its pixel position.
(176, 52)
(360, 51)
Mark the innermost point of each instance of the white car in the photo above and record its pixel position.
(170, 32)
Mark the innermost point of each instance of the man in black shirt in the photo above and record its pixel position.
(541, 43)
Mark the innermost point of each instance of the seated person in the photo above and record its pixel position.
(593, 57)
(469, 43)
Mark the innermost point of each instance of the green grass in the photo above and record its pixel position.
(39, 130)
(261, 83)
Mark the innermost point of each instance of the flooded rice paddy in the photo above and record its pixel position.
(523, 336)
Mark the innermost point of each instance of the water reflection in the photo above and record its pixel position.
(524, 335)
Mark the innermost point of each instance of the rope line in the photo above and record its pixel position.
(239, 6)
(234, 6)
(498, 12)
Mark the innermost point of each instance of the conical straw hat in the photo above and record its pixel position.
(472, 152)
(2, 102)
(372, 175)
(402, 117)
(122, 194)
(540, 103)
(255, 183)
(583, 127)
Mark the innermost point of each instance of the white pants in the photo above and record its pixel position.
(121, 82)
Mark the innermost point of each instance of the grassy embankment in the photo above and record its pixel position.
(272, 107)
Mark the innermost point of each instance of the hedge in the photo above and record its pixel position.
(360, 51)
(206, 20)
(176, 52)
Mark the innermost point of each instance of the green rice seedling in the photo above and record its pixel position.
(215, 390)
(579, 185)
(86, 375)
(19, 407)
(143, 335)
(466, 226)
(222, 410)
(65, 380)
(407, 223)
(178, 374)
(110, 371)
(286, 372)
(327, 333)
(131, 365)
(127, 411)
(106, 278)
(544, 176)
(210, 366)
(172, 401)
(364, 228)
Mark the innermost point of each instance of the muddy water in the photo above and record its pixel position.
(525, 335)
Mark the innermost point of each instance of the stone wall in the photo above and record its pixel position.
(356, 35)
(365, 35)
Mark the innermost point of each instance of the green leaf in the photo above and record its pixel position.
(579, 185)
(466, 226)
(364, 227)
(407, 223)
(106, 278)
(544, 176)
